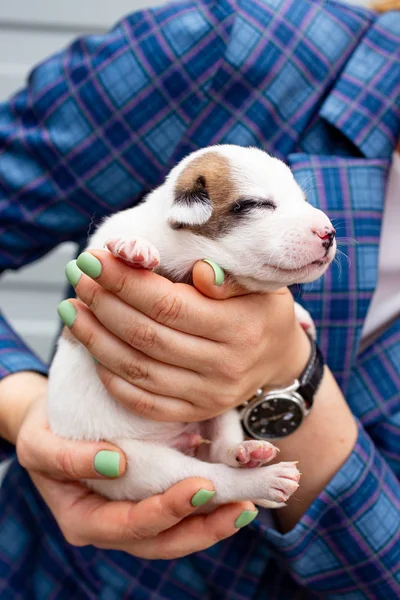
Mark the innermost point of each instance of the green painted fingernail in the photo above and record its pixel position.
(106, 462)
(89, 264)
(73, 273)
(219, 275)
(245, 518)
(201, 497)
(67, 313)
(96, 362)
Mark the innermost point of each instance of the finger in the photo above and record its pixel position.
(178, 306)
(38, 449)
(195, 533)
(210, 280)
(130, 376)
(150, 405)
(144, 334)
(96, 520)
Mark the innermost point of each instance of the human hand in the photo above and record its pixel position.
(160, 527)
(168, 352)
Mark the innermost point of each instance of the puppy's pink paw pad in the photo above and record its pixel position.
(138, 252)
(254, 453)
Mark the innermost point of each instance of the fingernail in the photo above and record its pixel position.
(96, 362)
(219, 275)
(106, 462)
(245, 518)
(67, 313)
(89, 264)
(73, 273)
(201, 497)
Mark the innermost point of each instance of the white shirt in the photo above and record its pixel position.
(385, 304)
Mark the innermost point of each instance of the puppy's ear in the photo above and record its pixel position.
(191, 206)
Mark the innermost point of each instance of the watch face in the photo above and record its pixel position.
(273, 418)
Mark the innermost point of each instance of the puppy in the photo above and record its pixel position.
(243, 209)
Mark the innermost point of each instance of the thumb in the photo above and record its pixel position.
(210, 280)
(67, 459)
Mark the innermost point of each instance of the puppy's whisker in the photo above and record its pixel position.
(346, 241)
(337, 262)
(308, 179)
(339, 253)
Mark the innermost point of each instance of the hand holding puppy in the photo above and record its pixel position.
(161, 527)
(168, 353)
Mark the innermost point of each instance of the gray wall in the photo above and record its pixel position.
(31, 30)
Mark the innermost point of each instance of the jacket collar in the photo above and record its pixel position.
(364, 104)
(356, 90)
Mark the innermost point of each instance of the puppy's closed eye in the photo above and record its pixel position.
(244, 206)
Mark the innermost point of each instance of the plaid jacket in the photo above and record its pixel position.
(99, 125)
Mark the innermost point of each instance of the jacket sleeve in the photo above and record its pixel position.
(95, 129)
(347, 545)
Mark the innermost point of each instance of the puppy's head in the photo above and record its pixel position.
(244, 209)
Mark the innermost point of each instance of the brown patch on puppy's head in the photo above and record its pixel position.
(204, 196)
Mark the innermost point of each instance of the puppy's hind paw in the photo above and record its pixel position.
(280, 482)
(284, 482)
(254, 453)
(137, 252)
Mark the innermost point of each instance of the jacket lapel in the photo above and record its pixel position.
(351, 192)
(365, 102)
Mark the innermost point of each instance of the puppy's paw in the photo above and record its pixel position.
(254, 453)
(138, 253)
(282, 481)
(305, 320)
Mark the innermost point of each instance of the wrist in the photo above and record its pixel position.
(276, 413)
(293, 359)
(17, 393)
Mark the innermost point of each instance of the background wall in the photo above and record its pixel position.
(31, 30)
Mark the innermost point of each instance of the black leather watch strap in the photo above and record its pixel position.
(311, 377)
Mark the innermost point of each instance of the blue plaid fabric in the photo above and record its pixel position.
(316, 83)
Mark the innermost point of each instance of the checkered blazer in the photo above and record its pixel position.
(316, 83)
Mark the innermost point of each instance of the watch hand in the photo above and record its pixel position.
(276, 417)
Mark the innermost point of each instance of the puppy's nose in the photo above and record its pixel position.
(327, 235)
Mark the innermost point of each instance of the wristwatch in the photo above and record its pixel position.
(278, 413)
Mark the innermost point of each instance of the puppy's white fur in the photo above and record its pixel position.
(265, 250)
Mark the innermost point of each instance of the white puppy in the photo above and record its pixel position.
(243, 209)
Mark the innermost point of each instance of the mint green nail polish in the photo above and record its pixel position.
(67, 313)
(89, 264)
(245, 518)
(201, 497)
(219, 275)
(106, 462)
(96, 362)
(73, 273)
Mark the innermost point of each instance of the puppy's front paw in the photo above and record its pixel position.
(137, 252)
(254, 453)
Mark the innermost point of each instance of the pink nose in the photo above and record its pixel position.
(326, 234)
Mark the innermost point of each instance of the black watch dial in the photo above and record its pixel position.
(273, 418)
